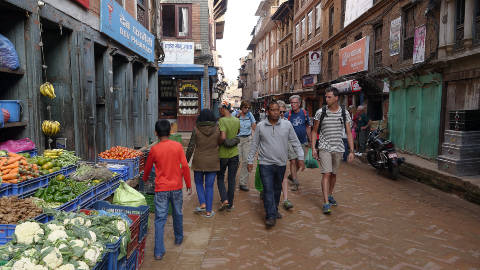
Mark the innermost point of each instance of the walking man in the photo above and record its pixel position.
(301, 124)
(247, 127)
(228, 153)
(271, 140)
(330, 122)
(364, 128)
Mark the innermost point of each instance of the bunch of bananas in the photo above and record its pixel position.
(53, 153)
(47, 90)
(50, 128)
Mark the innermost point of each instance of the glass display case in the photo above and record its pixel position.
(167, 95)
(188, 104)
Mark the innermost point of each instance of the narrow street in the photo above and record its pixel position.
(379, 224)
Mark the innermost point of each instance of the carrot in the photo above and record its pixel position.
(10, 176)
(13, 160)
(11, 166)
(12, 181)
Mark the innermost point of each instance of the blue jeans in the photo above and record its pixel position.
(162, 200)
(272, 178)
(347, 150)
(204, 183)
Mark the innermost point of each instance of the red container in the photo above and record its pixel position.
(141, 252)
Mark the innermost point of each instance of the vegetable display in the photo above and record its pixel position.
(120, 153)
(54, 160)
(62, 190)
(70, 241)
(13, 210)
(15, 168)
(87, 173)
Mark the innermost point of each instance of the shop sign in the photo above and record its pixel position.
(178, 52)
(315, 59)
(188, 86)
(419, 44)
(85, 3)
(355, 9)
(395, 34)
(346, 87)
(308, 81)
(354, 57)
(116, 23)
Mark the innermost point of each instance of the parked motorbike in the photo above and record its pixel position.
(381, 153)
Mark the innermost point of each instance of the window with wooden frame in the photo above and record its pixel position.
(318, 18)
(459, 23)
(297, 34)
(304, 30)
(176, 21)
(408, 32)
(331, 12)
(142, 14)
(377, 61)
(330, 64)
(342, 19)
(310, 22)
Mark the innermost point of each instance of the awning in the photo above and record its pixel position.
(178, 70)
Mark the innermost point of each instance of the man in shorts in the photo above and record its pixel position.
(330, 123)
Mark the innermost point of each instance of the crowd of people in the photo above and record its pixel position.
(219, 147)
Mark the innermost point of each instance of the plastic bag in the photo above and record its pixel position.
(125, 195)
(8, 54)
(310, 162)
(258, 180)
(18, 145)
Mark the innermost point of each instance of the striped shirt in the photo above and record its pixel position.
(331, 131)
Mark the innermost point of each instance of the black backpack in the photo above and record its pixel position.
(324, 114)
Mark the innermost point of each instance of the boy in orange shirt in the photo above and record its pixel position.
(170, 167)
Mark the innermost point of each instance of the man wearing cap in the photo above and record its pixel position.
(228, 152)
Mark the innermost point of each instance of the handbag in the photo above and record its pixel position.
(231, 142)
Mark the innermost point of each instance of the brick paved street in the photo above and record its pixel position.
(379, 224)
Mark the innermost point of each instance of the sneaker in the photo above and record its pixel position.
(244, 188)
(331, 200)
(326, 209)
(270, 222)
(287, 205)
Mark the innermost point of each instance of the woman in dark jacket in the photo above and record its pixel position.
(204, 146)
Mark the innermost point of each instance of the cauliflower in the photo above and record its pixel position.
(23, 264)
(77, 243)
(91, 256)
(32, 254)
(55, 235)
(93, 238)
(66, 221)
(121, 226)
(39, 267)
(67, 267)
(53, 258)
(55, 227)
(77, 221)
(88, 223)
(28, 233)
(81, 265)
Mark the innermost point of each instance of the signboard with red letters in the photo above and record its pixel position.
(346, 87)
(354, 57)
(85, 3)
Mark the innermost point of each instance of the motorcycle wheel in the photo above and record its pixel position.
(372, 159)
(394, 170)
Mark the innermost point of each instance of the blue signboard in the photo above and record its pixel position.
(119, 25)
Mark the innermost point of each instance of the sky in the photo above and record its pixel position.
(239, 22)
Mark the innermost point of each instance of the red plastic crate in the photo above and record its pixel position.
(132, 245)
(141, 252)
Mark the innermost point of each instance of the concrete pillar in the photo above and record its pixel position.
(442, 40)
(451, 25)
(468, 24)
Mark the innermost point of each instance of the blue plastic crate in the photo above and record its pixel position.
(86, 196)
(70, 206)
(133, 165)
(7, 230)
(69, 169)
(100, 188)
(103, 264)
(123, 171)
(130, 263)
(105, 194)
(5, 190)
(33, 152)
(142, 210)
(112, 255)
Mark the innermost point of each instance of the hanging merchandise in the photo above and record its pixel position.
(47, 90)
(8, 54)
(50, 128)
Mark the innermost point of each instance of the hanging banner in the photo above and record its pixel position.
(419, 44)
(354, 57)
(308, 81)
(395, 35)
(178, 52)
(355, 9)
(346, 87)
(116, 23)
(315, 59)
(85, 3)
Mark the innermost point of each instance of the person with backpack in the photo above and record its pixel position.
(247, 127)
(301, 124)
(330, 123)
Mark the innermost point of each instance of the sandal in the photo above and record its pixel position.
(223, 207)
(199, 209)
(209, 215)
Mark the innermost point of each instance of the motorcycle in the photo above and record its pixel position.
(381, 153)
